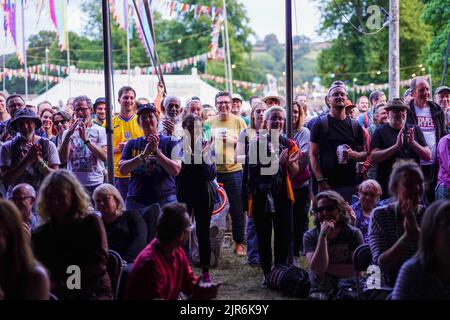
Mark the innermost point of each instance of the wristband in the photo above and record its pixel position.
(87, 142)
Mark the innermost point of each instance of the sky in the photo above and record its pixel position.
(266, 16)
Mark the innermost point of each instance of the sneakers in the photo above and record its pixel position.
(265, 281)
(206, 277)
(239, 249)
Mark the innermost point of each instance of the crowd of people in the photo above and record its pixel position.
(376, 172)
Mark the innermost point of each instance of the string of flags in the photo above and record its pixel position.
(382, 86)
(237, 83)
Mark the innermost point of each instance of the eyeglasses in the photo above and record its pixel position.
(63, 122)
(223, 103)
(325, 208)
(20, 198)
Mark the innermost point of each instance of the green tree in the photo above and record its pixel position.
(437, 15)
(353, 55)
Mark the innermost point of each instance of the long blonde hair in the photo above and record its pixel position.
(302, 113)
(65, 180)
(18, 255)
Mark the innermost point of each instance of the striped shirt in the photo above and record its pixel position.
(414, 282)
(386, 227)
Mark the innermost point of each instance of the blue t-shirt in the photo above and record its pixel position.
(150, 182)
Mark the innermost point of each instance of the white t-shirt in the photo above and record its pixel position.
(31, 175)
(426, 124)
(84, 165)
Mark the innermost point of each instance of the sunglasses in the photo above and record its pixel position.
(63, 122)
(325, 208)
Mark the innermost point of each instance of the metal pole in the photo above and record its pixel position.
(227, 85)
(46, 70)
(24, 52)
(68, 51)
(108, 97)
(289, 67)
(394, 50)
(128, 52)
(227, 41)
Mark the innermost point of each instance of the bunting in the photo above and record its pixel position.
(382, 86)
(13, 18)
(237, 83)
(57, 12)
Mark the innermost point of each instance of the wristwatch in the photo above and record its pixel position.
(87, 142)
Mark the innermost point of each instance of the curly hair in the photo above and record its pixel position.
(65, 180)
(337, 200)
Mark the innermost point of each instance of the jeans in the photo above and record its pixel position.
(281, 221)
(442, 192)
(252, 242)
(122, 185)
(232, 183)
(430, 174)
(300, 216)
(132, 204)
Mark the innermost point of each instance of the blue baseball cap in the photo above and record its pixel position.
(147, 106)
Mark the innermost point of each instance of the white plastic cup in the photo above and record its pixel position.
(340, 153)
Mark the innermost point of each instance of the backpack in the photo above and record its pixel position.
(290, 280)
(324, 127)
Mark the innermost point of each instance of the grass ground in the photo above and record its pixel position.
(239, 280)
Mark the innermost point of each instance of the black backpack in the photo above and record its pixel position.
(290, 280)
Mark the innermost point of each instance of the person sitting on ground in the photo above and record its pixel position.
(426, 276)
(24, 196)
(369, 192)
(330, 245)
(161, 270)
(394, 228)
(72, 235)
(126, 230)
(194, 187)
(21, 276)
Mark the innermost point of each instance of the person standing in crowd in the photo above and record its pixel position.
(194, 185)
(21, 276)
(153, 162)
(84, 146)
(274, 100)
(193, 106)
(126, 127)
(396, 140)
(13, 103)
(100, 111)
(407, 96)
(46, 116)
(394, 228)
(380, 117)
(270, 187)
(330, 245)
(162, 270)
(208, 112)
(426, 276)
(24, 196)
(43, 105)
(443, 180)
(366, 119)
(300, 182)
(442, 99)
(28, 157)
(369, 193)
(225, 129)
(71, 235)
(362, 103)
(242, 156)
(4, 114)
(254, 99)
(236, 108)
(125, 230)
(62, 122)
(430, 118)
(170, 124)
(333, 134)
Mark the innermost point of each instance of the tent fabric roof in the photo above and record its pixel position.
(92, 85)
